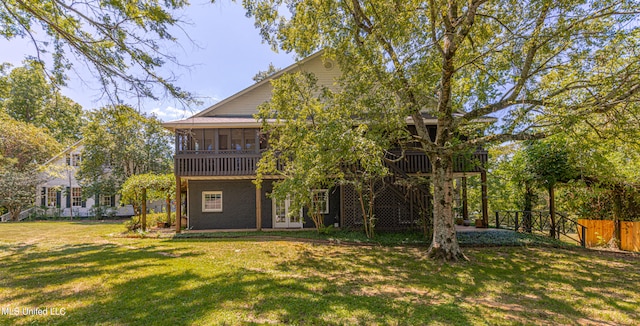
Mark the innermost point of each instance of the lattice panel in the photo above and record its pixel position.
(352, 216)
(392, 211)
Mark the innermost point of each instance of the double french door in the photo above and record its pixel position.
(283, 217)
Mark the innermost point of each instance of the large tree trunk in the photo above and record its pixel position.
(444, 244)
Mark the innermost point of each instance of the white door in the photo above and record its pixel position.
(283, 217)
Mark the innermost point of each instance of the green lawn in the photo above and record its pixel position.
(94, 278)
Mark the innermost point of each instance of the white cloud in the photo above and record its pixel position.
(170, 113)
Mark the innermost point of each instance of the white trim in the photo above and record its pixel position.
(75, 197)
(288, 216)
(66, 150)
(210, 210)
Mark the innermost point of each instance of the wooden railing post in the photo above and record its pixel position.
(497, 220)
(178, 204)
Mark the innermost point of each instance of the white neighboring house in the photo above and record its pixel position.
(61, 195)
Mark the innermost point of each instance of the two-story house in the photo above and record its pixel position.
(61, 194)
(217, 150)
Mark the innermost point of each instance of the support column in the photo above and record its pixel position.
(258, 208)
(178, 204)
(485, 204)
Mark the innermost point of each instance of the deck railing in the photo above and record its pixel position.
(236, 163)
(540, 222)
(216, 164)
(418, 162)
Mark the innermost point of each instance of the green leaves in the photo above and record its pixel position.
(120, 41)
(120, 142)
(158, 186)
(315, 142)
(27, 96)
(549, 162)
(24, 146)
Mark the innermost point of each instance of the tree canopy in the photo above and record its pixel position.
(120, 142)
(533, 63)
(314, 148)
(123, 43)
(23, 148)
(26, 95)
(140, 188)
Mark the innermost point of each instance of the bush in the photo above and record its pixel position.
(152, 220)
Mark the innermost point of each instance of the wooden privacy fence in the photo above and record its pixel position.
(600, 232)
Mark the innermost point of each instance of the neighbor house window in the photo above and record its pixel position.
(76, 196)
(212, 201)
(75, 159)
(320, 201)
(51, 197)
(105, 200)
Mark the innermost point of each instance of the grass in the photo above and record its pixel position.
(100, 279)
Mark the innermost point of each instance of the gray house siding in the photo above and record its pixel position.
(334, 210)
(238, 205)
(329, 219)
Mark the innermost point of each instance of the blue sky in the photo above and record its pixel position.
(224, 53)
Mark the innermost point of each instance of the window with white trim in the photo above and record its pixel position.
(212, 201)
(105, 200)
(320, 201)
(76, 197)
(51, 197)
(76, 158)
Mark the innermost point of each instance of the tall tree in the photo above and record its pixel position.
(23, 148)
(27, 96)
(548, 163)
(314, 148)
(533, 63)
(121, 42)
(120, 142)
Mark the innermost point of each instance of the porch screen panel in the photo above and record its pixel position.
(237, 139)
(208, 143)
(250, 136)
(223, 139)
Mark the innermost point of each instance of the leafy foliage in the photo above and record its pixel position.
(17, 189)
(24, 146)
(534, 63)
(119, 142)
(121, 42)
(548, 163)
(156, 187)
(314, 144)
(28, 97)
(263, 74)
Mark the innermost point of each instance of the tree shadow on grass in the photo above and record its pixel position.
(73, 271)
(543, 285)
(321, 284)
